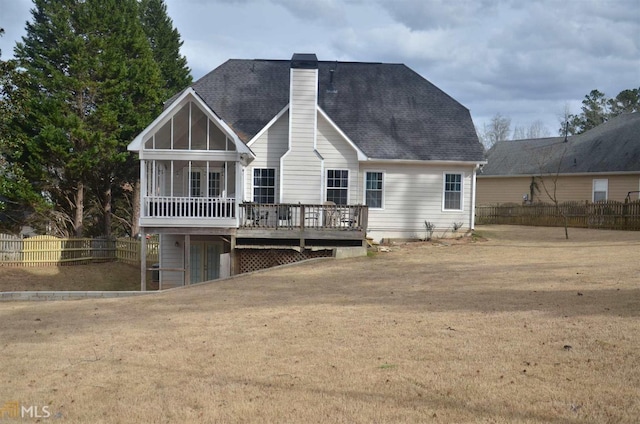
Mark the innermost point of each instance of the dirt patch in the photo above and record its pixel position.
(105, 276)
(523, 328)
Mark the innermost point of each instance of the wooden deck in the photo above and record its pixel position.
(253, 220)
(302, 222)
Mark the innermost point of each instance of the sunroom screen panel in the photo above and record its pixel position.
(198, 128)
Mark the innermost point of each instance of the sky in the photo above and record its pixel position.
(527, 60)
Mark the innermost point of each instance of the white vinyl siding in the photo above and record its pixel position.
(413, 194)
(338, 154)
(600, 189)
(301, 178)
(268, 148)
(301, 166)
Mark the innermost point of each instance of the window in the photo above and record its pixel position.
(264, 185)
(453, 192)
(600, 189)
(338, 186)
(195, 184)
(373, 189)
(214, 184)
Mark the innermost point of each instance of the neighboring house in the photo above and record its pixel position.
(600, 164)
(268, 161)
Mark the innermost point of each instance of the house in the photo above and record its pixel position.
(600, 164)
(262, 162)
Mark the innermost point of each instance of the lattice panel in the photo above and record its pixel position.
(256, 259)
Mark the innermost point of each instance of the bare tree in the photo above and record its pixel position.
(519, 133)
(497, 130)
(550, 162)
(537, 129)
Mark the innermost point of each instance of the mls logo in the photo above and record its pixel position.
(13, 409)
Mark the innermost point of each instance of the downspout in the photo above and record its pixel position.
(322, 175)
(472, 219)
(240, 190)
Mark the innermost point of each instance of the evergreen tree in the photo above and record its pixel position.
(94, 85)
(626, 101)
(597, 109)
(16, 193)
(165, 43)
(135, 74)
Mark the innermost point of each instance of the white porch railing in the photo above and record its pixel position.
(188, 207)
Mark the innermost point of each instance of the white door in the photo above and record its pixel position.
(201, 184)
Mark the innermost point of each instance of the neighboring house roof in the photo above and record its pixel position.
(387, 110)
(610, 147)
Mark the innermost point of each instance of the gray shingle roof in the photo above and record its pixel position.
(611, 147)
(387, 110)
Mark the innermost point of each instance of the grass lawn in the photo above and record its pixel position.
(525, 327)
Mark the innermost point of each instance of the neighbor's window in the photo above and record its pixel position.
(373, 189)
(600, 189)
(338, 186)
(264, 185)
(453, 191)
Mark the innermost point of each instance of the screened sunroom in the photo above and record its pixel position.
(191, 167)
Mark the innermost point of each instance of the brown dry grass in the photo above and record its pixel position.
(102, 276)
(444, 333)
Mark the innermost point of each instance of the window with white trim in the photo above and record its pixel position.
(600, 189)
(214, 184)
(373, 189)
(338, 186)
(264, 185)
(452, 196)
(195, 184)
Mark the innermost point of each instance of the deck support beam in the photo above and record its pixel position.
(143, 260)
(187, 259)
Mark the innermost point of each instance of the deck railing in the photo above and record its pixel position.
(299, 216)
(188, 207)
(259, 215)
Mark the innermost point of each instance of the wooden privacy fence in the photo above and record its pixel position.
(603, 215)
(128, 250)
(53, 251)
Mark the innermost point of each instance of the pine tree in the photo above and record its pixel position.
(597, 109)
(134, 73)
(16, 193)
(625, 102)
(165, 43)
(95, 85)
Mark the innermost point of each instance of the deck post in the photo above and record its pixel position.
(232, 255)
(187, 259)
(143, 260)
